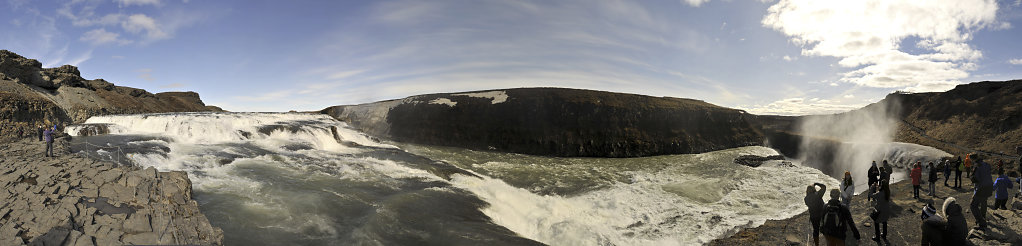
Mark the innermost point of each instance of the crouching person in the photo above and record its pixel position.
(837, 220)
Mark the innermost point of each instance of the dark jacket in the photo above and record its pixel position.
(846, 216)
(883, 206)
(873, 174)
(983, 176)
(958, 228)
(934, 231)
(933, 175)
(815, 203)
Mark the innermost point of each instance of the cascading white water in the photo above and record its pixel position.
(270, 178)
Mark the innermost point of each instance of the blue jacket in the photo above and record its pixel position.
(1001, 186)
(49, 135)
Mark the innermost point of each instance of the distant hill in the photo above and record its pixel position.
(555, 122)
(983, 117)
(32, 96)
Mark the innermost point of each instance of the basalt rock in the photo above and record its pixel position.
(34, 97)
(555, 122)
(755, 160)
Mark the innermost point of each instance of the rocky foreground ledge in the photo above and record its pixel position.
(73, 200)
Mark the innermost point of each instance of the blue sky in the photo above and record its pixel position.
(769, 57)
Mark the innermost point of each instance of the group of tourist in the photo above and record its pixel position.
(948, 227)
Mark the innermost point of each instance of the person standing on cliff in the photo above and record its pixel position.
(984, 188)
(947, 171)
(885, 172)
(933, 179)
(969, 158)
(873, 175)
(837, 220)
(39, 130)
(48, 134)
(917, 177)
(1002, 185)
(959, 167)
(847, 189)
(881, 211)
(814, 200)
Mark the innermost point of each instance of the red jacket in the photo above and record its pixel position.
(917, 174)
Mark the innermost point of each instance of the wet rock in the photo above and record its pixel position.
(74, 201)
(754, 160)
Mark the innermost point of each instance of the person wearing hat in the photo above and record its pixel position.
(957, 227)
(837, 219)
(933, 227)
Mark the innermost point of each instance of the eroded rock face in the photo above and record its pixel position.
(71, 200)
(46, 96)
(555, 122)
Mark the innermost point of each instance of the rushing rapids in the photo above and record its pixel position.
(280, 178)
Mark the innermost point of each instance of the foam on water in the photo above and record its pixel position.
(686, 203)
(290, 174)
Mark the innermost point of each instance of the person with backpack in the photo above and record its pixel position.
(947, 171)
(881, 210)
(847, 189)
(959, 167)
(873, 175)
(837, 219)
(933, 227)
(814, 200)
(933, 179)
(917, 177)
(984, 186)
(957, 227)
(1002, 185)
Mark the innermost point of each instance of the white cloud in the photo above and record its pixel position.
(1015, 61)
(867, 34)
(801, 106)
(695, 3)
(138, 23)
(789, 58)
(138, 2)
(101, 36)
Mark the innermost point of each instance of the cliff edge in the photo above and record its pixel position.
(555, 122)
(32, 96)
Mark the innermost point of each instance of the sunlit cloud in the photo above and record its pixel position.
(868, 35)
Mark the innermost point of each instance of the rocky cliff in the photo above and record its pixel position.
(982, 117)
(555, 122)
(32, 96)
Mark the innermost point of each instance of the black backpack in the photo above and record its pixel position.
(833, 223)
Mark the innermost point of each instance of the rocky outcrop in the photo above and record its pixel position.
(34, 96)
(72, 200)
(755, 160)
(555, 122)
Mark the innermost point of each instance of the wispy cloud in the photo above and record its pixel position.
(101, 36)
(1015, 61)
(146, 74)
